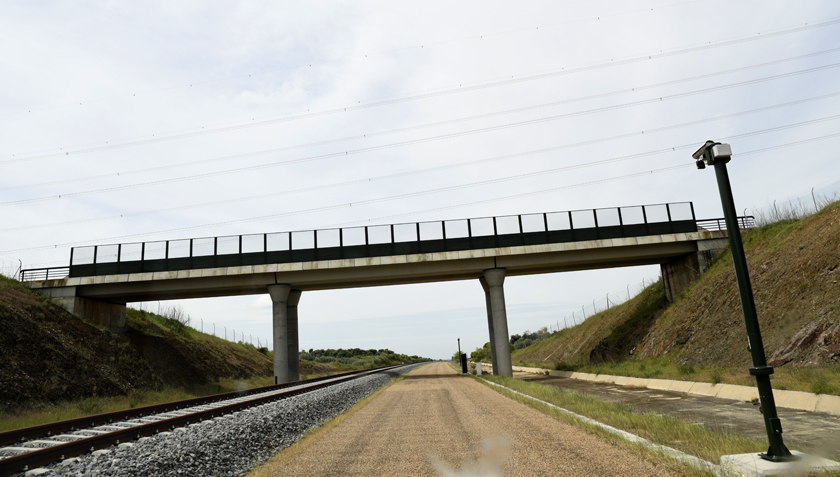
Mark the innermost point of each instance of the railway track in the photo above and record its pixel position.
(24, 449)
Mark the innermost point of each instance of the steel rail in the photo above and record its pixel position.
(49, 455)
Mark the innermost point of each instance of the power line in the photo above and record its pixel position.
(421, 126)
(437, 138)
(460, 89)
(416, 194)
(440, 168)
(309, 65)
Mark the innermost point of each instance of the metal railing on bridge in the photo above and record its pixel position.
(377, 240)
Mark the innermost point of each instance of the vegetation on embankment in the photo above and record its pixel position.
(794, 267)
(57, 366)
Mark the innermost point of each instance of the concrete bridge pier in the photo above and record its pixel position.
(292, 331)
(494, 279)
(486, 288)
(284, 310)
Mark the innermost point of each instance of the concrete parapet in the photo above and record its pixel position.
(561, 374)
(637, 382)
(738, 393)
(796, 400)
(828, 404)
(705, 389)
(680, 386)
(802, 401)
(659, 384)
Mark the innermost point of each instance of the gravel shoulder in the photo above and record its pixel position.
(436, 422)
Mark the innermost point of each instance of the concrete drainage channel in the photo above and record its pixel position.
(229, 444)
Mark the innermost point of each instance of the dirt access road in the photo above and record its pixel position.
(436, 422)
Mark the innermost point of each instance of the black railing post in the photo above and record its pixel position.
(670, 223)
(119, 253)
(72, 249)
(315, 237)
(142, 253)
(443, 229)
(167, 251)
(191, 248)
(519, 218)
(366, 236)
(418, 230)
(341, 239)
(95, 253)
(621, 222)
(597, 232)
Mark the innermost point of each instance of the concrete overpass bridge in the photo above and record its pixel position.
(101, 279)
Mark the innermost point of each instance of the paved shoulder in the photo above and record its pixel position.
(437, 422)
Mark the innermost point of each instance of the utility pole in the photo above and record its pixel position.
(717, 155)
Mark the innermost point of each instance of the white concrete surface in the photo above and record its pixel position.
(751, 465)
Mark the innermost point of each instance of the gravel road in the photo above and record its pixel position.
(436, 422)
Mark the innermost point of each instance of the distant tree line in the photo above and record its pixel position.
(524, 340)
(359, 357)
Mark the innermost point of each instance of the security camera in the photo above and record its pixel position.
(712, 152)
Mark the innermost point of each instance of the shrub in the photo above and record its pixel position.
(716, 377)
(686, 369)
(822, 386)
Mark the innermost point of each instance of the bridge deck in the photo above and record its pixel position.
(386, 270)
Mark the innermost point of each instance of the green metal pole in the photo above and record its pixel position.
(777, 452)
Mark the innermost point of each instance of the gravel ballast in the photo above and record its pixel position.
(230, 445)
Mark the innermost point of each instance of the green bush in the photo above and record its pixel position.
(686, 369)
(716, 377)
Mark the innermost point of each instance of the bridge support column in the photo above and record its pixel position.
(493, 355)
(292, 331)
(280, 319)
(495, 278)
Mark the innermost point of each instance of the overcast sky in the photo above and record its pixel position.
(127, 122)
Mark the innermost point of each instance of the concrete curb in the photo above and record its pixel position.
(798, 400)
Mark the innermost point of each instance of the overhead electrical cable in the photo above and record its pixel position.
(449, 136)
(505, 82)
(367, 180)
(327, 61)
(417, 127)
(422, 193)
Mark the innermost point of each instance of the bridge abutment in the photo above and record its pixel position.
(678, 274)
(494, 280)
(95, 311)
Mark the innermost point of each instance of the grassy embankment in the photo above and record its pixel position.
(58, 366)
(701, 335)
